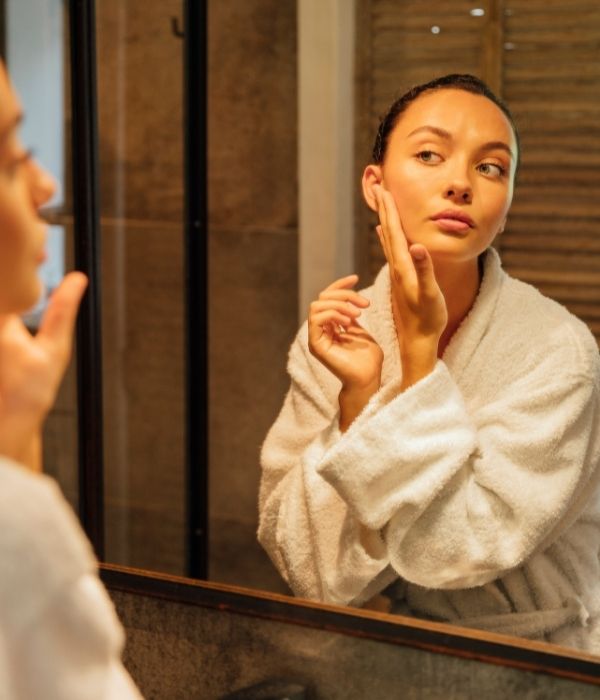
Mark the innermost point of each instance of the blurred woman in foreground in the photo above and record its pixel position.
(59, 635)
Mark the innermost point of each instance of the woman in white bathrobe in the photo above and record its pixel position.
(440, 441)
(60, 638)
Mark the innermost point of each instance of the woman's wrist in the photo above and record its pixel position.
(20, 440)
(419, 358)
(353, 398)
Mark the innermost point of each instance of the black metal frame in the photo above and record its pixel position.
(86, 225)
(196, 247)
(2, 30)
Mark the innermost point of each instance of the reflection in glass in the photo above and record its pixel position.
(140, 132)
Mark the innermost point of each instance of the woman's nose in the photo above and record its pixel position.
(42, 184)
(459, 192)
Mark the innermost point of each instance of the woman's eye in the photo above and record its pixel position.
(429, 157)
(492, 169)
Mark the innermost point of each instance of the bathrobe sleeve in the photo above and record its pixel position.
(421, 487)
(465, 496)
(315, 541)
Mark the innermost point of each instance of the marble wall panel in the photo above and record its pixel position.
(252, 113)
(252, 321)
(144, 410)
(140, 109)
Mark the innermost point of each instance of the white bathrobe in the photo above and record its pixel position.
(473, 497)
(60, 638)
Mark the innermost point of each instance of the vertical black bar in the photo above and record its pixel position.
(196, 242)
(87, 259)
(3, 30)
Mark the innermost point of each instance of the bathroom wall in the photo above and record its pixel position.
(140, 123)
(182, 651)
(253, 276)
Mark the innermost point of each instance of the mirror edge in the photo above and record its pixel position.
(435, 637)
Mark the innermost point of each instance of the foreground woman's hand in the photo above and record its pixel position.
(337, 340)
(419, 307)
(31, 369)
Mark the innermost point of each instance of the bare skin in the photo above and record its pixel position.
(449, 151)
(31, 368)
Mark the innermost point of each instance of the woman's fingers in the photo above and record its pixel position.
(423, 263)
(326, 325)
(347, 295)
(395, 233)
(337, 308)
(330, 316)
(343, 283)
(56, 329)
(341, 306)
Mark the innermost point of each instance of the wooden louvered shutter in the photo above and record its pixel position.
(551, 80)
(543, 58)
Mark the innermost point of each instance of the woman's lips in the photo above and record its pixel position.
(452, 225)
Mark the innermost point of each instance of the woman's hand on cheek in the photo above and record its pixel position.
(32, 367)
(337, 340)
(418, 305)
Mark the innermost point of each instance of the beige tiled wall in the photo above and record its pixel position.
(253, 264)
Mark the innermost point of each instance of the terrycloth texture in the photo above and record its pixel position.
(475, 493)
(59, 634)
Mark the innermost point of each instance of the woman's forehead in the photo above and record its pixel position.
(458, 112)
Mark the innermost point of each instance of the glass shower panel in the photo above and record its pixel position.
(140, 120)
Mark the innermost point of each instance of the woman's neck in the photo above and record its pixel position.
(459, 284)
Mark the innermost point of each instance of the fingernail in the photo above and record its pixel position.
(418, 254)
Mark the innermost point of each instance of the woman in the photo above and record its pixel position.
(440, 439)
(59, 635)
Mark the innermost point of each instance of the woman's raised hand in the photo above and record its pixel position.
(419, 307)
(337, 340)
(32, 367)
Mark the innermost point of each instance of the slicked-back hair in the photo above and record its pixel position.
(455, 81)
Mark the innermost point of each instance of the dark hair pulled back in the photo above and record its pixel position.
(457, 81)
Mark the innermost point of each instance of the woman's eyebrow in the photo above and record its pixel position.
(433, 129)
(493, 145)
(442, 133)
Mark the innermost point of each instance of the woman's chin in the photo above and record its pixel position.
(29, 297)
(447, 248)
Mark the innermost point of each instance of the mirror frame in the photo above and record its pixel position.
(436, 637)
(393, 629)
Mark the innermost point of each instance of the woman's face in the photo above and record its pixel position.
(450, 165)
(24, 187)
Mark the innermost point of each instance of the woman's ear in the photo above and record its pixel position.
(371, 176)
(502, 225)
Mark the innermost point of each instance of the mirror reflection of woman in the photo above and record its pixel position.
(438, 451)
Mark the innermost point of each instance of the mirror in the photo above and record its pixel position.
(531, 52)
